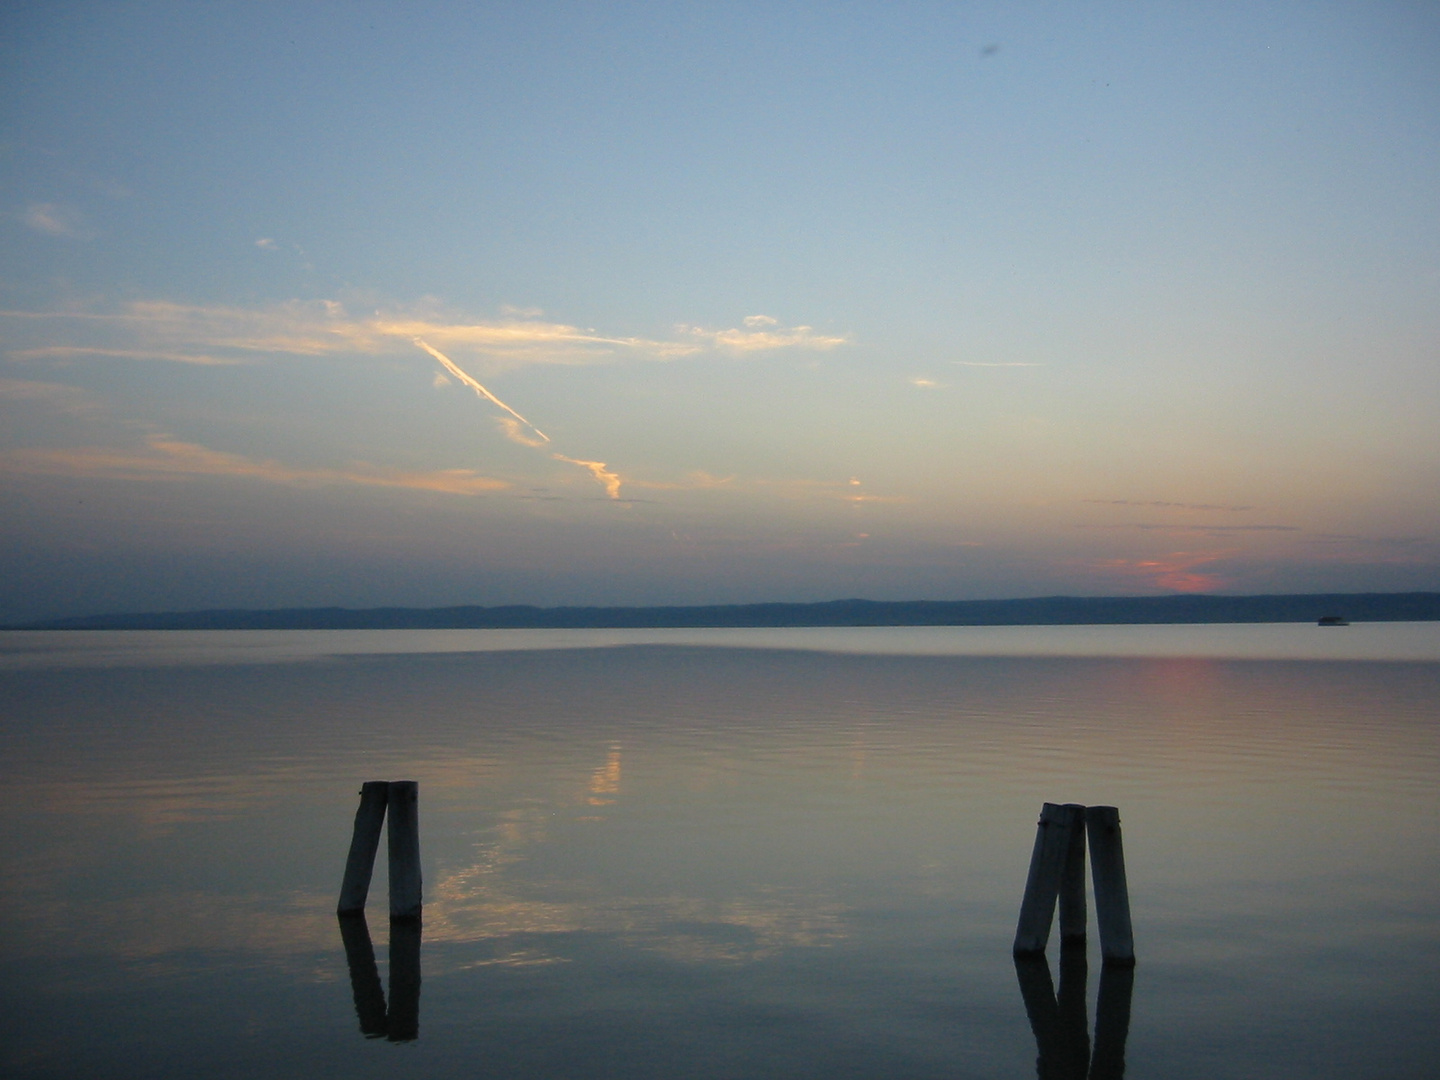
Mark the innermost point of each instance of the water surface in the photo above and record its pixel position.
(725, 853)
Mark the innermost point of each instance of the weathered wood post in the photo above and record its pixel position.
(404, 831)
(1072, 886)
(1048, 860)
(1112, 895)
(369, 817)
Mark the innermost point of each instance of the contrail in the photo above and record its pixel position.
(611, 480)
(451, 367)
(515, 432)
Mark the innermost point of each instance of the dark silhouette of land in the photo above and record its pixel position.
(1039, 611)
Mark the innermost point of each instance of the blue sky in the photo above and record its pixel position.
(731, 302)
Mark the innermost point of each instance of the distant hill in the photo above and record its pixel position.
(1041, 611)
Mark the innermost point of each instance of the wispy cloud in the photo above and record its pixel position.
(56, 219)
(762, 333)
(1360, 550)
(1243, 528)
(980, 363)
(924, 383)
(212, 335)
(789, 489)
(526, 340)
(1175, 527)
(326, 328)
(607, 478)
(55, 396)
(516, 431)
(692, 481)
(850, 491)
(61, 352)
(166, 457)
(165, 330)
(1169, 505)
(1386, 541)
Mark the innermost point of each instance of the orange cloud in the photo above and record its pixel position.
(57, 397)
(170, 458)
(197, 334)
(607, 479)
(762, 333)
(65, 352)
(1175, 571)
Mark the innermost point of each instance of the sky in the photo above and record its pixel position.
(363, 304)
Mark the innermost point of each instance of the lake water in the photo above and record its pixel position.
(718, 853)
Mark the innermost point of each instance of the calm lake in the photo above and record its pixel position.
(734, 853)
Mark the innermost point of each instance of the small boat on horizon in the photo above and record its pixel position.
(1334, 620)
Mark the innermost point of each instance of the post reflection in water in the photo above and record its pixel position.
(403, 1018)
(400, 1022)
(1061, 1025)
(364, 976)
(1112, 1022)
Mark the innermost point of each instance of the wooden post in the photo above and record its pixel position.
(360, 864)
(404, 850)
(1072, 886)
(1112, 895)
(1047, 868)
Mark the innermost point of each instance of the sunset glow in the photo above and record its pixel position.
(556, 304)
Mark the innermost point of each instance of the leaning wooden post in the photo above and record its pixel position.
(1072, 885)
(1112, 895)
(360, 864)
(1042, 885)
(404, 850)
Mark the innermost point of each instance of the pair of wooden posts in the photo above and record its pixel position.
(401, 799)
(1057, 871)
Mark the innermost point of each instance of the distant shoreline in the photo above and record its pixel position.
(1038, 611)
